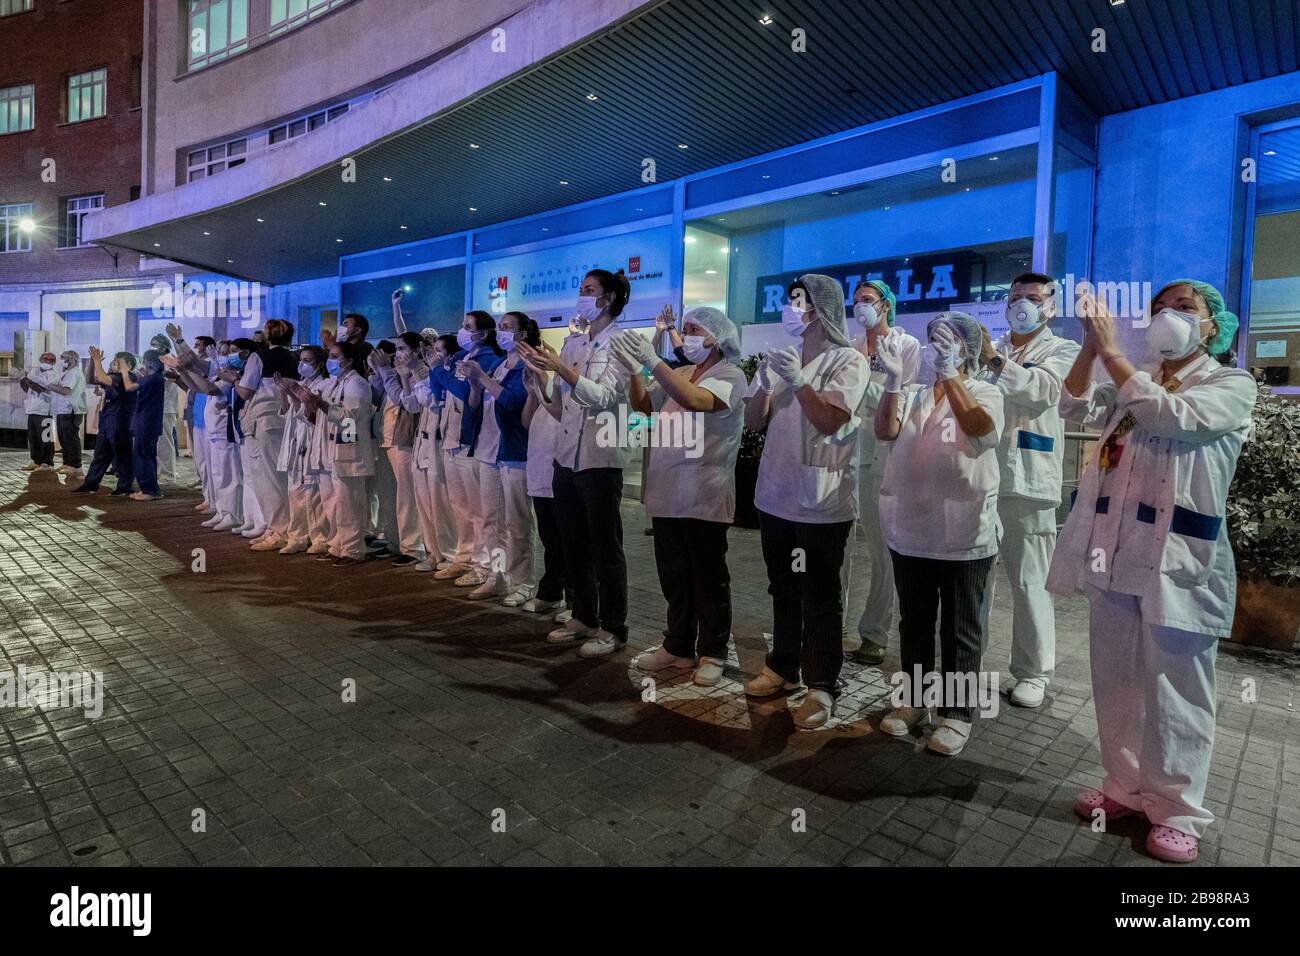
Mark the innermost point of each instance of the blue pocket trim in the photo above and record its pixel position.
(1103, 505)
(1193, 524)
(1146, 514)
(1035, 442)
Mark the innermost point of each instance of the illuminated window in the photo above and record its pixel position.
(217, 29)
(17, 108)
(73, 212)
(214, 159)
(295, 128)
(8, 7)
(87, 95)
(287, 14)
(13, 238)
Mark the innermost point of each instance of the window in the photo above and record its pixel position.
(295, 128)
(212, 160)
(13, 238)
(74, 210)
(81, 329)
(12, 327)
(17, 108)
(217, 29)
(287, 14)
(10, 7)
(87, 95)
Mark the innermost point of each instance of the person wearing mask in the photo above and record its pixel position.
(167, 452)
(1028, 365)
(308, 528)
(550, 593)
(68, 405)
(690, 485)
(150, 390)
(341, 412)
(195, 408)
(806, 396)
(437, 523)
(874, 306)
(263, 426)
(200, 369)
(478, 345)
(588, 481)
(1147, 542)
(497, 399)
(396, 481)
(355, 329)
(113, 438)
(40, 417)
(938, 506)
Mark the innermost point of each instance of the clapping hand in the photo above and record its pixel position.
(665, 320)
(944, 349)
(787, 363)
(889, 354)
(541, 360)
(634, 350)
(379, 360)
(173, 332)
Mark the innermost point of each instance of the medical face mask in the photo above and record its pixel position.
(47, 366)
(866, 314)
(465, 338)
(332, 366)
(306, 369)
(506, 340)
(586, 310)
(793, 321)
(1173, 334)
(1024, 316)
(695, 349)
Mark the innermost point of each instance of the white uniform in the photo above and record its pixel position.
(396, 486)
(437, 524)
(878, 613)
(939, 497)
(307, 523)
(263, 434)
(462, 482)
(349, 459)
(507, 542)
(1147, 537)
(225, 469)
(1030, 457)
(40, 402)
(167, 440)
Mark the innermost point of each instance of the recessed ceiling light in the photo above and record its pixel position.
(260, 219)
(473, 208)
(682, 146)
(546, 228)
(722, 219)
(994, 159)
(1270, 152)
(564, 182)
(710, 272)
(338, 240)
(766, 176)
(835, 192)
(1117, 3)
(593, 97)
(388, 179)
(473, 146)
(230, 261)
(766, 20)
(401, 227)
(206, 233)
(321, 203)
(157, 245)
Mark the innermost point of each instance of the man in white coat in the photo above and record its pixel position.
(1147, 541)
(1028, 365)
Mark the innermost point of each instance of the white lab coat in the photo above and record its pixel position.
(225, 470)
(307, 522)
(350, 459)
(437, 527)
(1155, 556)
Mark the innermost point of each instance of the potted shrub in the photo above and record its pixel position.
(751, 450)
(1264, 526)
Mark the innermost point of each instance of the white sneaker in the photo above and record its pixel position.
(254, 533)
(899, 722)
(470, 579)
(215, 520)
(661, 660)
(950, 736)
(318, 549)
(201, 506)
(238, 527)
(708, 673)
(601, 643)
(518, 596)
(815, 711)
(564, 616)
(570, 632)
(293, 548)
(30, 467)
(767, 684)
(227, 523)
(538, 606)
(444, 565)
(426, 565)
(491, 587)
(268, 543)
(451, 572)
(1029, 693)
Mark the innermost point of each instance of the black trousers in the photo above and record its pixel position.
(957, 592)
(551, 585)
(69, 429)
(803, 574)
(591, 533)
(42, 451)
(691, 556)
(112, 445)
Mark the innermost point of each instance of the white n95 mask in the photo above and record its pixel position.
(866, 314)
(1023, 316)
(1174, 335)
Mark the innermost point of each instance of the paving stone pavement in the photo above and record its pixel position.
(224, 695)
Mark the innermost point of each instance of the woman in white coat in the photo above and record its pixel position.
(342, 411)
(437, 527)
(1146, 540)
(308, 528)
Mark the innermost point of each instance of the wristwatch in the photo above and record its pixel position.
(996, 363)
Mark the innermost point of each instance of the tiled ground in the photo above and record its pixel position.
(224, 695)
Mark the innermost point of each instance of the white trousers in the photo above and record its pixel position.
(199, 451)
(878, 615)
(252, 507)
(269, 485)
(307, 522)
(437, 527)
(1028, 540)
(344, 501)
(506, 547)
(401, 524)
(462, 492)
(167, 450)
(1153, 690)
(226, 478)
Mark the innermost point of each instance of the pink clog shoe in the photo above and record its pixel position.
(1172, 846)
(1090, 800)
